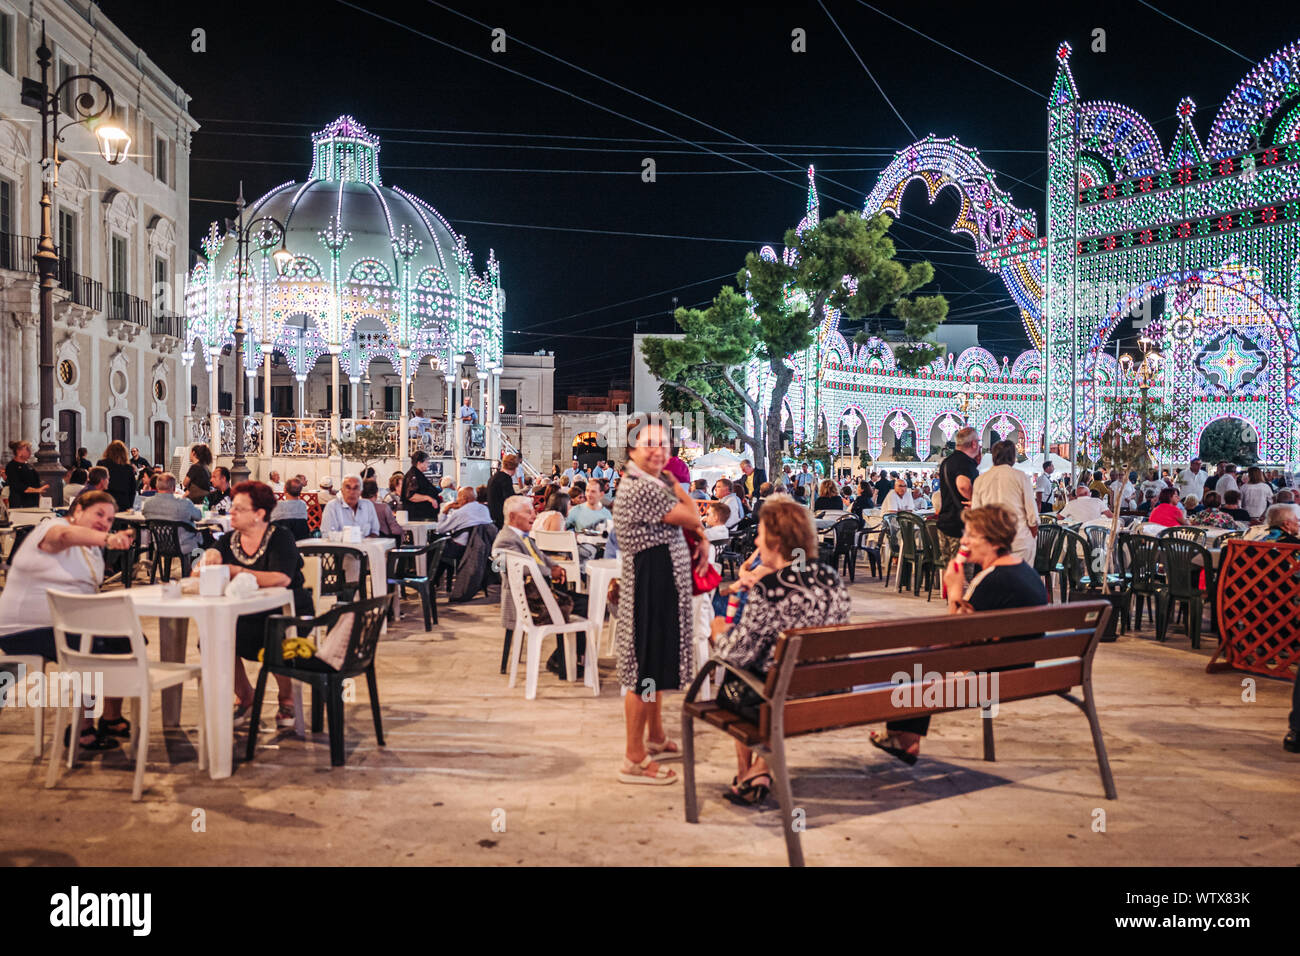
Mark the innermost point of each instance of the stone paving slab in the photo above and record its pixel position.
(1201, 776)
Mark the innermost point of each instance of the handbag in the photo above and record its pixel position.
(701, 583)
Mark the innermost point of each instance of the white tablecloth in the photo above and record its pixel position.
(215, 617)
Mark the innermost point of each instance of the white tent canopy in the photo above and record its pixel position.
(1034, 464)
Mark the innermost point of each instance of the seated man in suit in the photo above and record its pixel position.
(515, 537)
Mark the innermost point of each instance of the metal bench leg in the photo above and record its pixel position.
(988, 737)
(688, 768)
(785, 796)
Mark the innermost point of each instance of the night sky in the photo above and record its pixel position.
(547, 170)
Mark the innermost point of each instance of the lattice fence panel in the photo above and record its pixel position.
(1259, 609)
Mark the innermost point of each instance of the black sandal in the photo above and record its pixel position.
(115, 728)
(98, 742)
(748, 793)
(899, 752)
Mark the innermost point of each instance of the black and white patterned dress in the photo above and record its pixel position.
(654, 634)
(813, 597)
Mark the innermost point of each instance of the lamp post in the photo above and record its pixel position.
(113, 144)
(283, 257)
(1146, 372)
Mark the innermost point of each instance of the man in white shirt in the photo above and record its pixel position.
(350, 510)
(273, 479)
(805, 479)
(1191, 481)
(1043, 488)
(572, 471)
(899, 499)
(461, 515)
(1229, 480)
(467, 413)
(1084, 507)
(1122, 491)
(325, 494)
(723, 492)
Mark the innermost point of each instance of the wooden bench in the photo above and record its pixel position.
(809, 687)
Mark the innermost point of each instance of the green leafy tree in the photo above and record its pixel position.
(368, 445)
(704, 370)
(845, 263)
(1223, 440)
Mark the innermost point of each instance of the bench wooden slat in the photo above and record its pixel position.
(844, 639)
(876, 706)
(823, 676)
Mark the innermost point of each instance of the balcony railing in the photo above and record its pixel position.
(82, 289)
(167, 323)
(310, 437)
(16, 252)
(124, 307)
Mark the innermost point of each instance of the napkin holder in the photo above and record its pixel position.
(213, 579)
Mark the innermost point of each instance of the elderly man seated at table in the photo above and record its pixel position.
(1283, 523)
(1083, 507)
(165, 506)
(350, 510)
(722, 491)
(899, 499)
(458, 517)
(292, 507)
(515, 537)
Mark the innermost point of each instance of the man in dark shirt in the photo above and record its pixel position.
(957, 476)
(219, 499)
(500, 487)
(884, 486)
(138, 461)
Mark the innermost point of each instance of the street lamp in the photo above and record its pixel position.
(113, 144)
(968, 403)
(282, 258)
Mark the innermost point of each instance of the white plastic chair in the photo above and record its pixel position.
(562, 543)
(31, 664)
(125, 675)
(517, 566)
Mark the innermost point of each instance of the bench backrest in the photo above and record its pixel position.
(810, 683)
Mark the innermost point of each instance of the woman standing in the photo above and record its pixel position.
(655, 632)
(270, 555)
(198, 480)
(419, 496)
(1004, 485)
(1256, 493)
(121, 476)
(25, 487)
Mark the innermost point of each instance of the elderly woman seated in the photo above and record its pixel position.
(1211, 515)
(1004, 581)
(786, 590)
(1283, 523)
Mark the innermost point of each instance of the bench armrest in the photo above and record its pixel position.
(713, 663)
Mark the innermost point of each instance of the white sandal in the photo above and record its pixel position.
(640, 773)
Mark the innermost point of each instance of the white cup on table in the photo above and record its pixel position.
(213, 579)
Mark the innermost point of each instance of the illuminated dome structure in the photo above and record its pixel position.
(375, 272)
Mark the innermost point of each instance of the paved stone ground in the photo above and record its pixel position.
(1201, 775)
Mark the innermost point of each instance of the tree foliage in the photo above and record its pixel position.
(1223, 440)
(368, 445)
(844, 263)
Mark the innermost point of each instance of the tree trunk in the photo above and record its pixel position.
(783, 375)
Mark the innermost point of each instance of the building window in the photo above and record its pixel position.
(68, 239)
(7, 42)
(510, 399)
(8, 247)
(159, 284)
(118, 265)
(160, 167)
(69, 92)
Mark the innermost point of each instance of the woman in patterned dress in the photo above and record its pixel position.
(786, 590)
(655, 635)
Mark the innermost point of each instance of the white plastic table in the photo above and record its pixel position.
(215, 618)
(600, 572)
(375, 549)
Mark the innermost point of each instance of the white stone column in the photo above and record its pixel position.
(494, 440)
(404, 415)
(214, 419)
(482, 410)
(302, 395)
(187, 362)
(267, 424)
(356, 396)
(336, 394)
(31, 388)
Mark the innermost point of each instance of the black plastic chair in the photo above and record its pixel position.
(123, 561)
(914, 553)
(165, 539)
(1145, 580)
(889, 536)
(333, 577)
(1079, 558)
(1047, 556)
(844, 547)
(326, 683)
(1185, 533)
(298, 527)
(1185, 561)
(404, 572)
